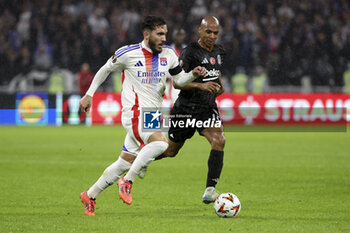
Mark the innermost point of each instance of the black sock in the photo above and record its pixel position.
(215, 164)
(160, 157)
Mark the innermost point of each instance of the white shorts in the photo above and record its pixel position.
(135, 139)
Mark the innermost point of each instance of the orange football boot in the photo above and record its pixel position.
(88, 203)
(125, 190)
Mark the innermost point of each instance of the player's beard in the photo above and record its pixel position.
(152, 45)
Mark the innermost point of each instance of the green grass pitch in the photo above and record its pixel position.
(287, 182)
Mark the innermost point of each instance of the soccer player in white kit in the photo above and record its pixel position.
(145, 67)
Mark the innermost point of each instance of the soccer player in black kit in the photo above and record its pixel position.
(197, 100)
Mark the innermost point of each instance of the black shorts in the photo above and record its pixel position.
(190, 116)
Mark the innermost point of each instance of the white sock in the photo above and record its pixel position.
(109, 176)
(145, 157)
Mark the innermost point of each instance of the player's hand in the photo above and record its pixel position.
(85, 103)
(220, 90)
(199, 71)
(212, 87)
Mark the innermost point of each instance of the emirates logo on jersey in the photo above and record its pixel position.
(212, 61)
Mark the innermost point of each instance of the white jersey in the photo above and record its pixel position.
(144, 74)
(144, 77)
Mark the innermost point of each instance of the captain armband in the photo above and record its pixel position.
(175, 70)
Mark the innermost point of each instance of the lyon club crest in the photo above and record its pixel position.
(163, 61)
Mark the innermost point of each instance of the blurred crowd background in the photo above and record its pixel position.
(271, 45)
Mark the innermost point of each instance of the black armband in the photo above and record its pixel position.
(175, 70)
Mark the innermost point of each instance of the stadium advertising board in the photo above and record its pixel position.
(250, 109)
(43, 109)
(106, 108)
(31, 109)
(284, 108)
(69, 108)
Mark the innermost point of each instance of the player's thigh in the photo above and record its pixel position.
(131, 145)
(179, 130)
(215, 133)
(177, 134)
(134, 128)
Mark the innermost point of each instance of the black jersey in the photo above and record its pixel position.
(192, 56)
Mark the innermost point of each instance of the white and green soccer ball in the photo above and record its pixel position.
(227, 205)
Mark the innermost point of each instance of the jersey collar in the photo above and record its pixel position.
(145, 47)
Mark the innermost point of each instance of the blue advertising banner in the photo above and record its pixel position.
(32, 109)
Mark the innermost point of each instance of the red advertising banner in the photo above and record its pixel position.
(106, 108)
(284, 108)
(250, 109)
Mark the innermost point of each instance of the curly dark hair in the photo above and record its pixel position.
(151, 22)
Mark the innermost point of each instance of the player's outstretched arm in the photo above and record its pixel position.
(183, 78)
(100, 77)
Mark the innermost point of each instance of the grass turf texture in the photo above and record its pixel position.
(287, 182)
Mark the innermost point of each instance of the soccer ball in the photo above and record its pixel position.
(227, 205)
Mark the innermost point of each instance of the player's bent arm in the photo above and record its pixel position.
(189, 86)
(99, 78)
(181, 78)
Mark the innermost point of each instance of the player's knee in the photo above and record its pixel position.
(127, 157)
(218, 143)
(171, 153)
